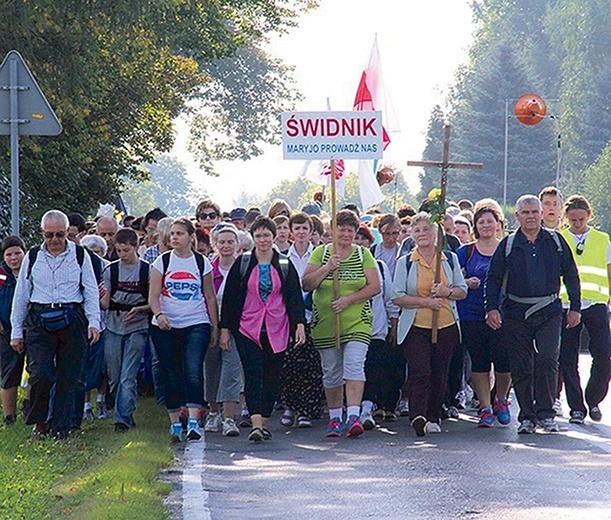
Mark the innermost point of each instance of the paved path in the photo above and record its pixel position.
(464, 472)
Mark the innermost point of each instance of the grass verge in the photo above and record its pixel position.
(96, 474)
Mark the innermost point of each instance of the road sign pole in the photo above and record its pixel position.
(14, 115)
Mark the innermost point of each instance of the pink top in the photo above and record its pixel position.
(272, 312)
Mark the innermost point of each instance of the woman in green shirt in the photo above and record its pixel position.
(358, 283)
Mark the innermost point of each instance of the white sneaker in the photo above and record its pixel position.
(402, 409)
(432, 427)
(367, 421)
(557, 407)
(213, 422)
(230, 428)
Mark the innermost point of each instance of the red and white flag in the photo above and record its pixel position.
(370, 96)
(321, 174)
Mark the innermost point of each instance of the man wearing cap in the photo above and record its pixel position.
(237, 217)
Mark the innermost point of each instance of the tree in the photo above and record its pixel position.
(238, 108)
(118, 73)
(597, 186)
(558, 49)
(430, 177)
(168, 188)
(478, 117)
(299, 191)
(581, 34)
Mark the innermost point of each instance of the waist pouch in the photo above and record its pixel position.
(53, 320)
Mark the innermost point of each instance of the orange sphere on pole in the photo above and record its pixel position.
(530, 109)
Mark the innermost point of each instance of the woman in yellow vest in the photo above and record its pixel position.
(592, 251)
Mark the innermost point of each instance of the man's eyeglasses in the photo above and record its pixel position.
(50, 235)
(580, 247)
(211, 216)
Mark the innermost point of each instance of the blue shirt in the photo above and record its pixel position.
(265, 281)
(474, 264)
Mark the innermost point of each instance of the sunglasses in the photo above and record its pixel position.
(204, 216)
(50, 235)
(580, 247)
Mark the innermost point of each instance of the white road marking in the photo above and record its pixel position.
(195, 498)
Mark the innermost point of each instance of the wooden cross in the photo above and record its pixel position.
(445, 165)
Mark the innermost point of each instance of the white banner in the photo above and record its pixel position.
(332, 135)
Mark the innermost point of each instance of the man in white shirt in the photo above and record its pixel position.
(56, 304)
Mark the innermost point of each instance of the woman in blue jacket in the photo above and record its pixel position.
(11, 362)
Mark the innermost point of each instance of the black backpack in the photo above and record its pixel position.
(143, 285)
(80, 258)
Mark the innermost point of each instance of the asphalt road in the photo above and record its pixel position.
(389, 473)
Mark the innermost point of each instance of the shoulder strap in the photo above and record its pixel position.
(165, 261)
(557, 240)
(471, 252)
(508, 247)
(284, 265)
(381, 266)
(408, 264)
(509, 244)
(244, 262)
(199, 260)
(114, 277)
(450, 257)
(144, 279)
(373, 249)
(32, 255)
(80, 255)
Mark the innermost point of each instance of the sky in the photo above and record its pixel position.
(421, 45)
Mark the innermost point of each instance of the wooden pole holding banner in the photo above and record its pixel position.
(335, 248)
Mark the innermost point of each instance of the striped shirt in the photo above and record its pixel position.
(55, 279)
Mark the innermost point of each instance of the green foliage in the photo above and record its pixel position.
(239, 107)
(430, 177)
(558, 49)
(168, 188)
(597, 187)
(118, 73)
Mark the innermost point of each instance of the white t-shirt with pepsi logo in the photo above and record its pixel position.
(182, 300)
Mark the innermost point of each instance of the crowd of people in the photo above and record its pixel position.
(235, 315)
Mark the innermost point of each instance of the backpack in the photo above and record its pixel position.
(245, 262)
(80, 258)
(449, 256)
(509, 248)
(143, 284)
(512, 237)
(199, 260)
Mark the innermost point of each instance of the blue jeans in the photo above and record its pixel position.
(181, 355)
(123, 354)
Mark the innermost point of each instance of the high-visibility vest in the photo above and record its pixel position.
(592, 266)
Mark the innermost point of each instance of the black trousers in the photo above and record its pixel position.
(385, 373)
(534, 348)
(596, 321)
(54, 358)
(261, 374)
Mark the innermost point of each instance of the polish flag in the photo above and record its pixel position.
(370, 96)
